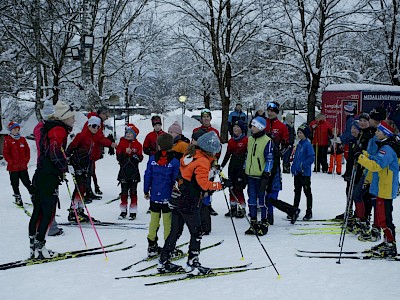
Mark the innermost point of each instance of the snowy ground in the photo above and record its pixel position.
(93, 277)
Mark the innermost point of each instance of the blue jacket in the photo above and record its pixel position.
(159, 180)
(303, 158)
(346, 137)
(384, 167)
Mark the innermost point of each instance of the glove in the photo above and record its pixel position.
(135, 157)
(226, 183)
(147, 196)
(264, 182)
(111, 151)
(176, 193)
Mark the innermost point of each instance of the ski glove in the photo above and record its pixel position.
(226, 183)
(264, 182)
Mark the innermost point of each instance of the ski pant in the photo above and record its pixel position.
(205, 217)
(256, 198)
(16, 176)
(362, 200)
(156, 210)
(286, 159)
(80, 190)
(44, 206)
(383, 218)
(302, 182)
(129, 188)
(335, 160)
(321, 158)
(179, 219)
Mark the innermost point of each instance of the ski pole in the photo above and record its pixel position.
(347, 213)
(221, 175)
(258, 238)
(87, 210)
(76, 213)
(90, 218)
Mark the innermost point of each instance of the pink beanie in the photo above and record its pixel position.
(175, 127)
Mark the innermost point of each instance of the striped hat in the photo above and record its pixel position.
(259, 122)
(386, 129)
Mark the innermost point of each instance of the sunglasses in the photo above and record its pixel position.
(94, 126)
(205, 111)
(272, 105)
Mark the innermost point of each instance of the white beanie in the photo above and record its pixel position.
(93, 120)
(63, 111)
(47, 110)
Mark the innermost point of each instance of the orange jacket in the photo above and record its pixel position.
(199, 165)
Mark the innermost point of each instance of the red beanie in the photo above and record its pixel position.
(133, 129)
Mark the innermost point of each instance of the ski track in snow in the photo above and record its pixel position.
(93, 277)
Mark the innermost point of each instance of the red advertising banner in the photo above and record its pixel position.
(333, 103)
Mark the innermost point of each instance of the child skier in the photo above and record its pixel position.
(301, 169)
(336, 153)
(150, 141)
(80, 152)
(195, 167)
(236, 155)
(16, 152)
(384, 167)
(129, 155)
(159, 178)
(180, 141)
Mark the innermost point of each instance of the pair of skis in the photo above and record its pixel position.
(108, 225)
(65, 256)
(361, 255)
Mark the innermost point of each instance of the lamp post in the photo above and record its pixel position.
(114, 100)
(182, 100)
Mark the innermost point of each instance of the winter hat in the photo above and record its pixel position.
(209, 142)
(205, 111)
(356, 125)
(289, 118)
(241, 124)
(305, 130)
(198, 133)
(364, 115)
(155, 120)
(175, 127)
(63, 111)
(349, 108)
(48, 110)
(165, 141)
(259, 122)
(378, 114)
(386, 128)
(93, 120)
(13, 125)
(274, 106)
(132, 128)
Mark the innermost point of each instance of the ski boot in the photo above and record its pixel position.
(97, 190)
(241, 212)
(18, 200)
(59, 231)
(262, 227)
(153, 249)
(388, 250)
(32, 240)
(295, 215)
(372, 235)
(360, 227)
(122, 215)
(91, 196)
(193, 267)
(84, 217)
(71, 215)
(168, 267)
(253, 227)
(176, 253)
(132, 216)
(41, 252)
(232, 212)
(212, 211)
(308, 216)
(377, 247)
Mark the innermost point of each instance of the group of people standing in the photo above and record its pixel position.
(181, 174)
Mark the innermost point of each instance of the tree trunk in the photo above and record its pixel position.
(38, 59)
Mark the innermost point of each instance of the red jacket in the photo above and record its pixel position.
(150, 142)
(278, 131)
(16, 153)
(101, 140)
(321, 132)
(81, 149)
(129, 163)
